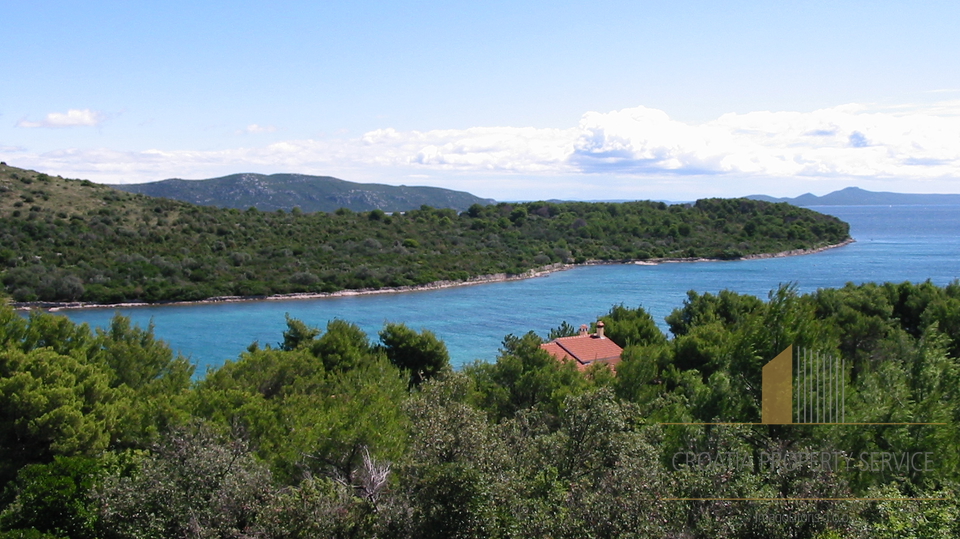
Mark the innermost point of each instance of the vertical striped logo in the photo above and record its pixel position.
(815, 395)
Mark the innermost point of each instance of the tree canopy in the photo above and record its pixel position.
(327, 433)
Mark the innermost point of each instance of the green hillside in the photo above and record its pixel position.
(309, 193)
(73, 240)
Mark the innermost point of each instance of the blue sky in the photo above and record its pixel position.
(510, 100)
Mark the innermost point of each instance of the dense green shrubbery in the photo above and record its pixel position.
(106, 246)
(103, 435)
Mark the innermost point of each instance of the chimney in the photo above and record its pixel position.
(600, 329)
(584, 330)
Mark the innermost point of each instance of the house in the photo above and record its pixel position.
(585, 348)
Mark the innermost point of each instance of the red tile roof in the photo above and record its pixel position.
(585, 349)
(556, 351)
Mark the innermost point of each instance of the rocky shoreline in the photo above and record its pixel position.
(436, 285)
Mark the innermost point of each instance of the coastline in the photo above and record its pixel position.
(436, 285)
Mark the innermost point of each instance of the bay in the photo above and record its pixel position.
(893, 243)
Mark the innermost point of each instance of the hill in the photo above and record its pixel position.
(854, 196)
(309, 193)
(70, 240)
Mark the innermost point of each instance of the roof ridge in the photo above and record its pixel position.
(572, 337)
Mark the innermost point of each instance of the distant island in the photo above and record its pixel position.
(854, 196)
(77, 241)
(309, 193)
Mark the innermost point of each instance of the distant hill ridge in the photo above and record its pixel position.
(309, 193)
(854, 196)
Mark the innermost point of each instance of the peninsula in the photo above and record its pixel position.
(77, 241)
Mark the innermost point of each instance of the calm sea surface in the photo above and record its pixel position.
(894, 243)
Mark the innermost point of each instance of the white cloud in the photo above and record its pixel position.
(852, 143)
(71, 118)
(849, 140)
(513, 149)
(845, 141)
(255, 128)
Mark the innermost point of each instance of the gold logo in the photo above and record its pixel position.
(811, 389)
(777, 399)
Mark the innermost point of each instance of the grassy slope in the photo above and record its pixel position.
(66, 240)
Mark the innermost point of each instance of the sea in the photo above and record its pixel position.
(893, 243)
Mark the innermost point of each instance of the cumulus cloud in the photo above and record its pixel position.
(845, 141)
(71, 118)
(255, 128)
(849, 141)
(523, 149)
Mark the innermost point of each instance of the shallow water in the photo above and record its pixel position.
(894, 243)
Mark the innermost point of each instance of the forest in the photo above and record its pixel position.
(71, 240)
(330, 432)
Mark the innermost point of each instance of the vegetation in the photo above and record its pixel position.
(102, 434)
(309, 193)
(69, 240)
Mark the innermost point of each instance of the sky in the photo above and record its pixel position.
(510, 100)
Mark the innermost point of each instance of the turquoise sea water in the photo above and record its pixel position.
(894, 243)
